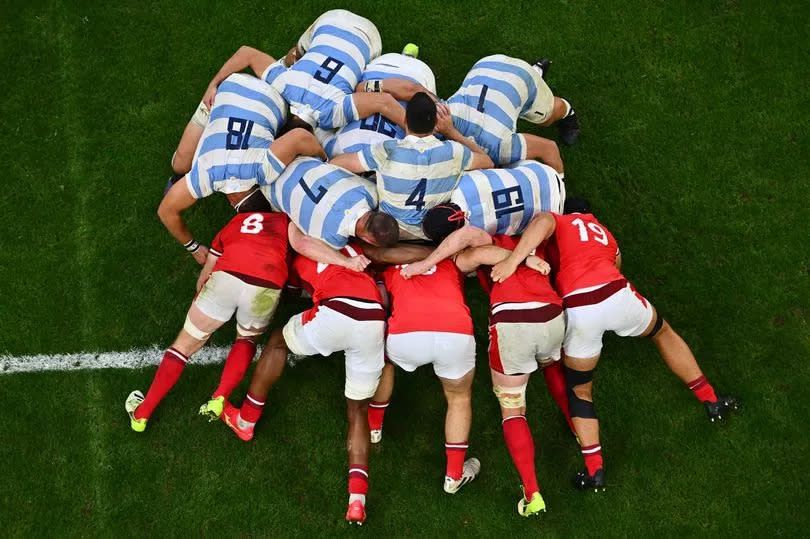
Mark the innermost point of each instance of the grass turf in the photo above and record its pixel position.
(694, 152)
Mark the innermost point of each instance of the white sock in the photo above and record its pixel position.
(354, 497)
(568, 108)
(243, 424)
(538, 69)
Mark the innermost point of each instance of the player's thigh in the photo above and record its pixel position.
(256, 307)
(584, 330)
(512, 148)
(410, 351)
(512, 347)
(365, 359)
(308, 333)
(542, 108)
(632, 313)
(218, 298)
(454, 355)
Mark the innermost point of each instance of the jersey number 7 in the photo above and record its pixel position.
(314, 198)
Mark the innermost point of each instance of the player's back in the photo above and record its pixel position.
(525, 285)
(583, 253)
(325, 281)
(359, 134)
(253, 246)
(504, 200)
(433, 301)
(232, 154)
(323, 200)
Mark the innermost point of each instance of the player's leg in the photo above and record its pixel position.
(680, 360)
(544, 150)
(552, 334)
(196, 330)
(254, 311)
(579, 379)
(357, 444)
(379, 402)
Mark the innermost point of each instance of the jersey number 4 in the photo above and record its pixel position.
(599, 234)
(252, 224)
(417, 197)
(238, 134)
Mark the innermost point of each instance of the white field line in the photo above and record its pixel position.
(134, 359)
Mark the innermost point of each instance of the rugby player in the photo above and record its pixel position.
(598, 298)
(238, 151)
(430, 324)
(526, 329)
(359, 134)
(494, 201)
(495, 93)
(420, 171)
(328, 206)
(244, 273)
(347, 316)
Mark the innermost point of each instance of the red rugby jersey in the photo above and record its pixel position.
(584, 253)
(433, 301)
(326, 281)
(253, 246)
(525, 285)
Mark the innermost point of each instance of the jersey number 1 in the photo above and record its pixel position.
(417, 198)
(599, 234)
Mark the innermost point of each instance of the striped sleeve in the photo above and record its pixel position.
(372, 157)
(466, 157)
(273, 71)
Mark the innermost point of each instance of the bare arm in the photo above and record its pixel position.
(176, 200)
(402, 253)
(400, 89)
(349, 161)
(206, 270)
(243, 58)
(618, 260)
(296, 142)
(320, 251)
(384, 103)
(540, 228)
(486, 255)
(468, 236)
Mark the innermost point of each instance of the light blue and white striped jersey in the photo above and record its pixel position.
(319, 85)
(323, 200)
(497, 90)
(359, 134)
(415, 174)
(233, 153)
(504, 200)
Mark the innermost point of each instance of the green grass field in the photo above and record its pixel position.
(694, 152)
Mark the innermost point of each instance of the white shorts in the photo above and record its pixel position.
(533, 334)
(452, 354)
(626, 313)
(324, 330)
(543, 106)
(223, 294)
(342, 18)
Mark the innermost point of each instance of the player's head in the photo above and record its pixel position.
(378, 228)
(420, 114)
(254, 202)
(292, 123)
(576, 205)
(442, 220)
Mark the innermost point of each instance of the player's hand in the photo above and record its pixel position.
(208, 96)
(357, 263)
(538, 264)
(414, 269)
(503, 270)
(204, 275)
(200, 255)
(444, 122)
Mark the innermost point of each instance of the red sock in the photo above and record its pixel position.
(358, 479)
(236, 364)
(555, 381)
(455, 458)
(376, 412)
(166, 376)
(251, 409)
(593, 457)
(702, 389)
(520, 444)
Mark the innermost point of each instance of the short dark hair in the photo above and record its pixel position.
(420, 114)
(383, 228)
(294, 122)
(442, 220)
(576, 205)
(255, 202)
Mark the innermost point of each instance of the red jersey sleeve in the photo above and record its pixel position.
(217, 247)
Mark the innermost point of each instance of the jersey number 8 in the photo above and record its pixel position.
(252, 224)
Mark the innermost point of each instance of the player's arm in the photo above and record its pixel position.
(539, 229)
(479, 158)
(350, 161)
(243, 58)
(208, 267)
(400, 89)
(485, 255)
(384, 103)
(402, 253)
(467, 236)
(618, 261)
(296, 142)
(178, 199)
(320, 251)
